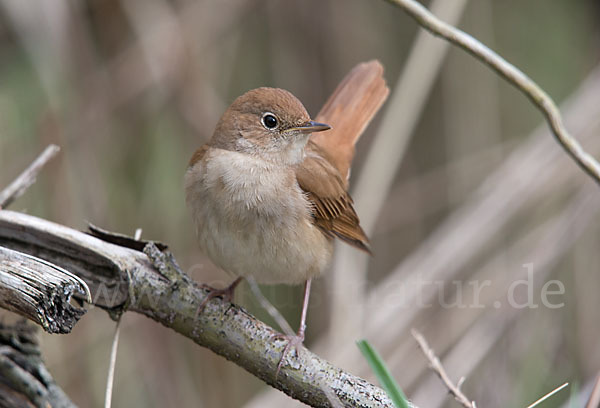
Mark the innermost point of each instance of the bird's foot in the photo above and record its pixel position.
(294, 342)
(226, 294)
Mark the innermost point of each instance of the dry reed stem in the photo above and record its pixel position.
(544, 247)
(545, 397)
(509, 72)
(437, 367)
(18, 187)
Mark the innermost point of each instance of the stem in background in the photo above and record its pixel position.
(509, 72)
(437, 367)
(111, 366)
(16, 189)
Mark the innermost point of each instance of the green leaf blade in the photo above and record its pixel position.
(383, 374)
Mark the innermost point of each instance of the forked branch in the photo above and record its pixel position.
(436, 366)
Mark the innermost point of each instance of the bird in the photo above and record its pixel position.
(268, 199)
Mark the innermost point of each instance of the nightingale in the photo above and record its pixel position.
(266, 200)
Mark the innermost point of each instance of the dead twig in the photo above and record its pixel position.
(40, 290)
(27, 178)
(509, 72)
(268, 306)
(437, 367)
(115, 346)
(545, 397)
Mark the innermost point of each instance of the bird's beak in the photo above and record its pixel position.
(310, 127)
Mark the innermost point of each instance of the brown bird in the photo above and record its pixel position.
(268, 200)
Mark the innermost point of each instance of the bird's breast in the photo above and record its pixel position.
(252, 218)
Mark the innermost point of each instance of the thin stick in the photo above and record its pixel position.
(437, 367)
(594, 401)
(115, 346)
(509, 72)
(111, 366)
(268, 306)
(304, 308)
(545, 397)
(16, 189)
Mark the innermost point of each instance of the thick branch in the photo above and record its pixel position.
(39, 291)
(90, 259)
(125, 278)
(509, 72)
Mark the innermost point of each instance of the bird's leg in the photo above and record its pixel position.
(226, 293)
(297, 340)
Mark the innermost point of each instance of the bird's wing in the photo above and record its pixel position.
(332, 209)
(198, 155)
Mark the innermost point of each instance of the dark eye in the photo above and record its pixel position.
(269, 121)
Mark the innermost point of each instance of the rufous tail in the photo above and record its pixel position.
(349, 110)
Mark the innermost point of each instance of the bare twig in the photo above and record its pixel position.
(110, 379)
(27, 178)
(111, 366)
(545, 397)
(594, 401)
(437, 367)
(475, 337)
(268, 306)
(509, 72)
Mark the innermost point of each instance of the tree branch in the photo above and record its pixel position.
(27, 178)
(125, 279)
(40, 291)
(509, 72)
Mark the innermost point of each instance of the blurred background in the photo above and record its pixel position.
(464, 186)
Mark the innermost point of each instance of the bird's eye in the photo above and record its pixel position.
(269, 121)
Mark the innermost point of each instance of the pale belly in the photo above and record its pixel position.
(247, 227)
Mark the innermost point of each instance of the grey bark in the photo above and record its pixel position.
(122, 279)
(39, 291)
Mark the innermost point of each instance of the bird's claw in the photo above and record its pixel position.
(293, 342)
(226, 294)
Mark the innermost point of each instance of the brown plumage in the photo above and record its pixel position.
(267, 198)
(324, 172)
(332, 208)
(349, 110)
